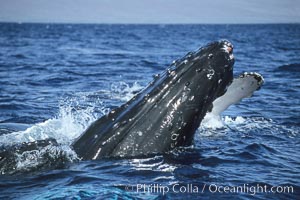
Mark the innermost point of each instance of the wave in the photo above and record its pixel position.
(19, 56)
(294, 67)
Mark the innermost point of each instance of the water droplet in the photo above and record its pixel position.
(140, 133)
(192, 98)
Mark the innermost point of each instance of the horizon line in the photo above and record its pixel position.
(145, 23)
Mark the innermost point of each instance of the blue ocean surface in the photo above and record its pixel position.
(56, 79)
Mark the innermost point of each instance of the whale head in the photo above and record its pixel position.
(167, 112)
(211, 65)
(191, 85)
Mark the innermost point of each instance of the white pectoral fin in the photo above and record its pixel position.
(241, 87)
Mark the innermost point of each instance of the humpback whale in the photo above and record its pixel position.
(163, 116)
(166, 114)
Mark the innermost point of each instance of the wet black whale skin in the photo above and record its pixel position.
(165, 114)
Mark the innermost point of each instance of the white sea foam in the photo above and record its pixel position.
(212, 121)
(218, 126)
(35, 158)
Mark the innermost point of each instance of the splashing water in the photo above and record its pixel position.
(69, 124)
(75, 114)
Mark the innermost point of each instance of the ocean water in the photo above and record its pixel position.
(56, 79)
